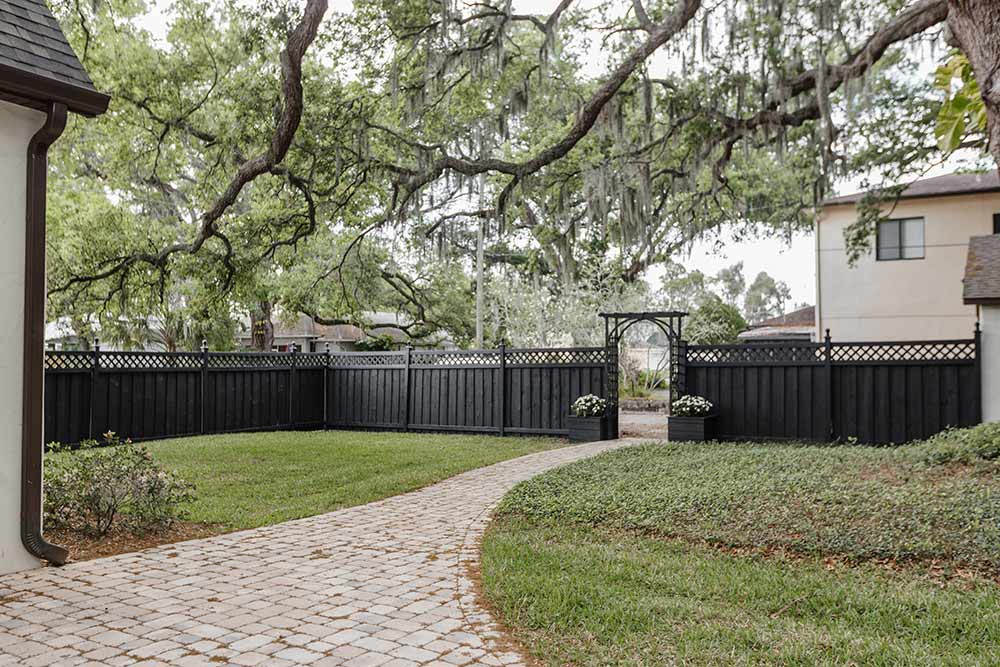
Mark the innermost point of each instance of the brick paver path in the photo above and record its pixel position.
(381, 585)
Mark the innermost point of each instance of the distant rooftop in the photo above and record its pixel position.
(939, 186)
(981, 284)
(805, 316)
(37, 64)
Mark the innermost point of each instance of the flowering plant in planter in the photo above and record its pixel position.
(587, 421)
(691, 419)
(691, 406)
(589, 406)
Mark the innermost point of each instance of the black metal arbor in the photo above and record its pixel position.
(615, 326)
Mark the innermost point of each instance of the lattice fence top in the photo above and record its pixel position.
(69, 361)
(149, 360)
(874, 352)
(249, 359)
(557, 356)
(310, 360)
(354, 359)
(945, 350)
(455, 357)
(754, 354)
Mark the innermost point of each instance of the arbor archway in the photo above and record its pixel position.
(669, 322)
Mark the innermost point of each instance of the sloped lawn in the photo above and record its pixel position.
(740, 554)
(257, 479)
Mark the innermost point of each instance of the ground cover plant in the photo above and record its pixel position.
(743, 554)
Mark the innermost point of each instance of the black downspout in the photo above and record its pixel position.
(32, 435)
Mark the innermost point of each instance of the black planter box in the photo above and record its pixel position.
(695, 429)
(587, 429)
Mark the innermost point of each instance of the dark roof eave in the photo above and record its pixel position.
(981, 301)
(44, 90)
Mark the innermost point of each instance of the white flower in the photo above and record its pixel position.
(589, 406)
(691, 406)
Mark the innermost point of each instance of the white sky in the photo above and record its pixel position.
(793, 263)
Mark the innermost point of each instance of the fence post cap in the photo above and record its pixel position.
(97, 343)
(204, 345)
(291, 348)
(328, 347)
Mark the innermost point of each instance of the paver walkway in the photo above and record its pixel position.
(380, 585)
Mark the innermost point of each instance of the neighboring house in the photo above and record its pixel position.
(41, 82)
(982, 292)
(308, 336)
(910, 286)
(798, 325)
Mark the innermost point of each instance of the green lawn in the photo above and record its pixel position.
(255, 479)
(738, 554)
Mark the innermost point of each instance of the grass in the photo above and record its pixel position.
(256, 479)
(736, 554)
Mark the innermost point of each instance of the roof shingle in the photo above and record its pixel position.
(982, 271)
(939, 186)
(32, 44)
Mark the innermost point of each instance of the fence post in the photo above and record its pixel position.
(326, 387)
(978, 392)
(406, 389)
(204, 385)
(95, 368)
(831, 404)
(292, 377)
(503, 388)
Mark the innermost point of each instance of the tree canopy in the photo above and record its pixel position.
(342, 163)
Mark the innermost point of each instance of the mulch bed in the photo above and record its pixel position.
(87, 547)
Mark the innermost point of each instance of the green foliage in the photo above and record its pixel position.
(714, 323)
(962, 446)
(853, 503)
(963, 112)
(378, 343)
(115, 484)
(765, 298)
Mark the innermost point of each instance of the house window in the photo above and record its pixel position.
(901, 239)
(996, 223)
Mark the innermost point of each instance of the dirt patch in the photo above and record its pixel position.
(87, 547)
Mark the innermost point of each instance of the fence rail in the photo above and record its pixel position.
(145, 395)
(878, 392)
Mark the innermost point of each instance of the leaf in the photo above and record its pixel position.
(950, 126)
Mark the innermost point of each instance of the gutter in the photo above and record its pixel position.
(32, 436)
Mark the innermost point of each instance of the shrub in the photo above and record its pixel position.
(589, 406)
(96, 488)
(691, 406)
(962, 445)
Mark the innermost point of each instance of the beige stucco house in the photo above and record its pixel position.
(910, 286)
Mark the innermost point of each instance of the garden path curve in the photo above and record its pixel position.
(379, 585)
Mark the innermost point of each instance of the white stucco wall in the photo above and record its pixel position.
(990, 356)
(917, 299)
(17, 125)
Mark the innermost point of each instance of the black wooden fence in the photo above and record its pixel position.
(882, 392)
(146, 395)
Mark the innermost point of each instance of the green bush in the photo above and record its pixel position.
(965, 445)
(97, 488)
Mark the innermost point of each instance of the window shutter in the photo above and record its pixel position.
(996, 223)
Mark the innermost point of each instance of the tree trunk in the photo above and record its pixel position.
(975, 27)
(261, 327)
